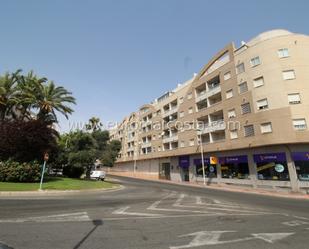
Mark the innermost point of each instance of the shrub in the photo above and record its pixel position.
(73, 171)
(11, 171)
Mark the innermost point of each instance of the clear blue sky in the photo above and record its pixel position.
(117, 55)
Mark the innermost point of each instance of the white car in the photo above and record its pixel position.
(98, 175)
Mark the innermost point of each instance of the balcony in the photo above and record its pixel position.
(130, 149)
(200, 96)
(218, 125)
(170, 111)
(169, 139)
(146, 144)
(213, 91)
(146, 123)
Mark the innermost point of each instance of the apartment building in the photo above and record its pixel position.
(245, 113)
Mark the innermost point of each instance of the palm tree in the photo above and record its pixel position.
(49, 99)
(8, 94)
(94, 124)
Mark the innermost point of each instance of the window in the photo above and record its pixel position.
(181, 114)
(233, 134)
(240, 68)
(181, 100)
(231, 113)
(266, 128)
(227, 76)
(262, 104)
(229, 94)
(182, 144)
(190, 110)
(245, 108)
(243, 87)
(288, 75)
(189, 96)
(255, 61)
(249, 130)
(258, 82)
(283, 53)
(300, 124)
(191, 142)
(294, 98)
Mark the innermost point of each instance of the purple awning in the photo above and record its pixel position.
(198, 161)
(269, 157)
(300, 156)
(184, 161)
(233, 159)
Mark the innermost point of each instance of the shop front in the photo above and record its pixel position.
(210, 167)
(301, 160)
(272, 166)
(234, 167)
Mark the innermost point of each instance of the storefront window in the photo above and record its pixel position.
(234, 167)
(272, 166)
(210, 169)
(301, 160)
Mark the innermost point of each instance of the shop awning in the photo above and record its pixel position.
(233, 159)
(184, 161)
(300, 156)
(269, 157)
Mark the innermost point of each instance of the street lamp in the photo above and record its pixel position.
(199, 139)
(137, 147)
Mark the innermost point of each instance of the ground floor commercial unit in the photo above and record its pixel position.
(278, 167)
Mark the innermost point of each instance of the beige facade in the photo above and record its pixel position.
(250, 101)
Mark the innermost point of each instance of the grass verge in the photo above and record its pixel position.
(56, 183)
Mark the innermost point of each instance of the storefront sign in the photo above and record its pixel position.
(233, 159)
(269, 157)
(199, 161)
(213, 160)
(300, 156)
(184, 161)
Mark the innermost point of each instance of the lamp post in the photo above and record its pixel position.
(199, 139)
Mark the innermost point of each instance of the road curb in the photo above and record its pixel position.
(57, 192)
(228, 189)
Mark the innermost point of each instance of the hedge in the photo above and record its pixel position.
(11, 171)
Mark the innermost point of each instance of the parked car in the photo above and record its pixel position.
(98, 175)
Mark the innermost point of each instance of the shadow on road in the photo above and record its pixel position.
(96, 224)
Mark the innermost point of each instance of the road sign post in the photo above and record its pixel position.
(46, 157)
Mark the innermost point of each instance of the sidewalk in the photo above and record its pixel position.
(222, 187)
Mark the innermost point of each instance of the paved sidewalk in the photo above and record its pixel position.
(222, 187)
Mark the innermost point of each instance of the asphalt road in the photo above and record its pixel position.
(154, 215)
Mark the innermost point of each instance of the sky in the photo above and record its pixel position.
(116, 55)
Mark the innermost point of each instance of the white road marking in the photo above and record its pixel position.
(122, 211)
(204, 238)
(224, 208)
(81, 216)
(300, 217)
(295, 223)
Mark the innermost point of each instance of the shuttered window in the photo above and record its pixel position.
(294, 98)
(229, 94)
(243, 87)
(240, 68)
(266, 128)
(227, 76)
(300, 124)
(288, 75)
(249, 130)
(245, 108)
(258, 82)
(233, 134)
(262, 104)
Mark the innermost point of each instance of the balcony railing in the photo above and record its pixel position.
(146, 144)
(213, 91)
(170, 111)
(218, 125)
(169, 139)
